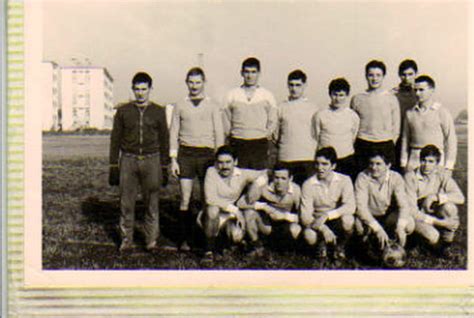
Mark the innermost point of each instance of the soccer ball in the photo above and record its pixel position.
(394, 255)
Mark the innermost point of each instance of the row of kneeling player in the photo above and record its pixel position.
(381, 207)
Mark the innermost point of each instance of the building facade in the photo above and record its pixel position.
(51, 103)
(76, 97)
(86, 98)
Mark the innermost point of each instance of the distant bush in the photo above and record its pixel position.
(79, 132)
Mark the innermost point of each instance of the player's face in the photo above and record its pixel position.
(142, 93)
(296, 88)
(374, 77)
(428, 164)
(281, 180)
(408, 77)
(338, 98)
(250, 75)
(423, 92)
(377, 167)
(225, 165)
(324, 167)
(195, 85)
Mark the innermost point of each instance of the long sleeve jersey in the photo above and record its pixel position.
(293, 134)
(252, 118)
(439, 183)
(222, 192)
(379, 114)
(140, 131)
(196, 126)
(373, 198)
(335, 197)
(432, 125)
(336, 128)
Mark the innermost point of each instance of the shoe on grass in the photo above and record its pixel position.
(125, 246)
(339, 253)
(184, 247)
(208, 259)
(255, 249)
(321, 250)
(162, 243)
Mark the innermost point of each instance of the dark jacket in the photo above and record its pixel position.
(140, 133)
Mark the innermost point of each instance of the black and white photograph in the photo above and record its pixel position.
(266, 135)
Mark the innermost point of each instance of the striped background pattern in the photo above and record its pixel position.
(175, 302)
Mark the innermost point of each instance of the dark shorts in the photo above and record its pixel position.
(347, 166)
(389, 221)
(194, 161)
(301, 170)
(252, 153)
(363, 148)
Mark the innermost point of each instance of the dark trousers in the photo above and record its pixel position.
(347, 166)
(364, 148)
(145, 172)
(252, 153)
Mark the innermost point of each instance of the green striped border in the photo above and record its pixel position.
(175, 302)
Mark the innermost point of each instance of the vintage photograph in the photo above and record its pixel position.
(203, 135)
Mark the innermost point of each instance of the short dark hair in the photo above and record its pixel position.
(281, 166)
(406, 64)
(142, 77)
(339, 84)
(296, 75)
(328, 153)
(430, 151)
(226, 150)
(251, 62)
(195, 71)
(426, 79)
(376, 64)
(379, 153)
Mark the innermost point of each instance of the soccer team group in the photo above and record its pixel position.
(377, 167)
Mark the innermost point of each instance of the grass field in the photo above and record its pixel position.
(80, 217)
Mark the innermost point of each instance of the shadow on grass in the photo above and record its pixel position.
(106, 213)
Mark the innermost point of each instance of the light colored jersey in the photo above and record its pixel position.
(337, 197)
(222, 192)
(433, 125)
(374, 198)
(253, 118)
(336, 128)
(379, 115)
(196, 126)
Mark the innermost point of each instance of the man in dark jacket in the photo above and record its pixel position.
(139, 147)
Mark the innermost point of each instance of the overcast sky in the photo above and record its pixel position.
(325, 39)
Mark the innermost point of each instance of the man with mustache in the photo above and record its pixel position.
(196, 132)
(224, 184)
